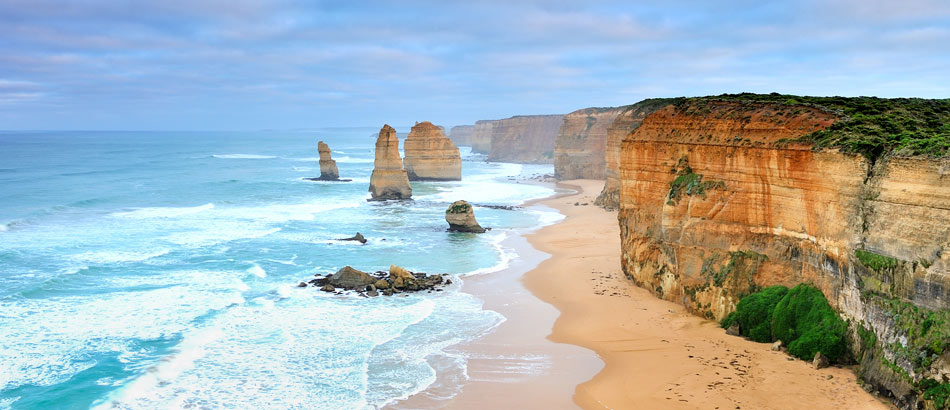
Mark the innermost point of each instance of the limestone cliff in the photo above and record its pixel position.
(430, 156)
(720, 198)
(481, 136)
(389, 179)
(627, 120)
(525, 139)
(461, 135)
(328, 169)
(581, 142)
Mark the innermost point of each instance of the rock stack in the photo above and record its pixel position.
(389, 179)
(461, 218)
(328, 169)
(430, 156)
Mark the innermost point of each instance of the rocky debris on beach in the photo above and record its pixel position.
(461, 218)
(777, 346)
(395, 281)
(358, 238)
(430, 156)
(733, 329)
(328, 169)
(389, 179)
(820, 361)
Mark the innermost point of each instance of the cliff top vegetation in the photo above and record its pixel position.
(870, 126)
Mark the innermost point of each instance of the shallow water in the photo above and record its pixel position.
(158, 270)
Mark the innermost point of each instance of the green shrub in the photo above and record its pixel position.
(754, 313)
(801, 318)
(938, 392)
(875, 261)
(804, 320)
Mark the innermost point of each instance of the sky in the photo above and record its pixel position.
(284, 64)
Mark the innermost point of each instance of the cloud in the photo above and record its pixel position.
(292, 63)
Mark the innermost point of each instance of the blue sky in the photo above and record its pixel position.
(248, 65)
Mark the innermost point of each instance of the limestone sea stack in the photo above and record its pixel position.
(389, 179)
(328, 169)
(430, 156)
(461, 218)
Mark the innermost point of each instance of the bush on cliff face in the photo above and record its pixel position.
(801, 318)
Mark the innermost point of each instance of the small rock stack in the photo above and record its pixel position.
(461, 218)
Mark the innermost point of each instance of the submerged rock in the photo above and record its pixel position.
(461, 218)
(358, 238)
(389, 179)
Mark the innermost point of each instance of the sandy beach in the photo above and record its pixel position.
(650, 354)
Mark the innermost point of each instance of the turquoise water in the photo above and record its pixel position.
(158, 270)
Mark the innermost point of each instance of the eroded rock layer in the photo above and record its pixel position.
(525, 139)
(581, 142)
(461, 135)
(328, 169)
(716, 201)
(430, 156)
(481, 136)
(627, 120)
(389, 179)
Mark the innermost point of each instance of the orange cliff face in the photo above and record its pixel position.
(581, 142)
(525, 139)
(715, 202)
(389, 179)
(430, 156)
(627, 120)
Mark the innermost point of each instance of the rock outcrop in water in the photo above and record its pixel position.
(394, 281)
(527, 139)
(328, 169)
(481, 136)
(627, 120)
(579, 149)
(461, 218)
(389, 179)
(719, 198)
(461, 135)
(430, 156)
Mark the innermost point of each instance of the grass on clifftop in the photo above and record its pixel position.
(800, 317)
(871, 126)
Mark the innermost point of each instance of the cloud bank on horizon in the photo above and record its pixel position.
(244, 64)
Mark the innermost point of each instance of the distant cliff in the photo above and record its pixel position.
(481, 136)
(461, 135)
(722, 196)
(524, 138)
(579, 149)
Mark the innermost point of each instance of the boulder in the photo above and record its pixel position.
(349, 278)
(430, 156)
(358, 238)
(777, 346)
(389, 179)
(461, 218)
(820, 361)
(328, 288)
(382, 284)
(733, 329)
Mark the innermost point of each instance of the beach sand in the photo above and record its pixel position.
(650, 354)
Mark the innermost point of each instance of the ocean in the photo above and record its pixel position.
(149, 270)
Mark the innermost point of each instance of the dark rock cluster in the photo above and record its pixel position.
(397, 280)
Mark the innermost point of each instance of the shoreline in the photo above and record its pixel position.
(656, 354)
(514, 365)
